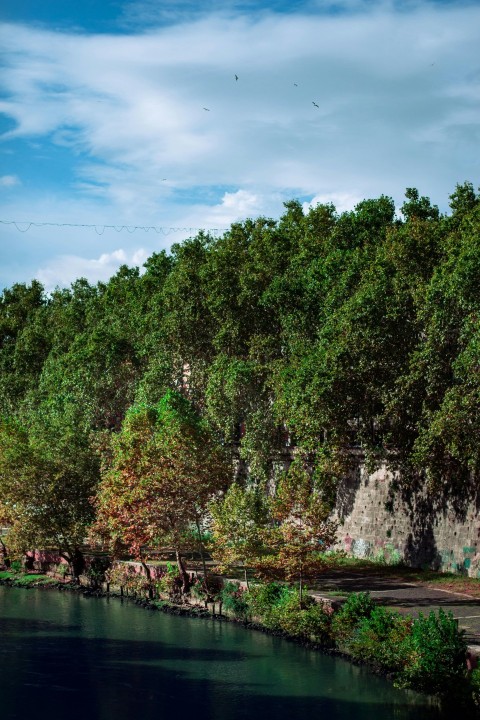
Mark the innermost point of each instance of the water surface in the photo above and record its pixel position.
(66, 656)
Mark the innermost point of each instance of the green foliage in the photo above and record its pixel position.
(279, 607)
(61, 569)
(320, 329)
(263, 598)
(437, 653)
(238, 520)
(308, 620)
(234, 600)
(47, 477)
(381, 639)
(357, 607)
(301, 528)
(164, 468)
(475, 686)
(170, 582)
(27, 579)
(128, 579)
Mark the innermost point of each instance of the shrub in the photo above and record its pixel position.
(198, 589)
(308, 621)
(382, 639)
(126, 577)
(96, 570)
(170, 582)
(436, 662)
(263, 600)
(278, 607)
(475, 686)
(234, 599)
(61, 569)
(357, 607)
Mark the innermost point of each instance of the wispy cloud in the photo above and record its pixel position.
(9, 180)
(342, 201)
(63, 270)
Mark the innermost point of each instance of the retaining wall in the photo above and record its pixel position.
(413, 525)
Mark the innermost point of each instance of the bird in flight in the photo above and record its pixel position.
(314, 103)
(207, 109)
(296, 85)
(236, 77)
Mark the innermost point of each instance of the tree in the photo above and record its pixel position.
(239, 518)
(301, 530)
(165, 466)
(47, 479)
(19, 305)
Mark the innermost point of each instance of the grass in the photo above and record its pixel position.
(30, 579)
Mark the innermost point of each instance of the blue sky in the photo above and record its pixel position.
(103, 119)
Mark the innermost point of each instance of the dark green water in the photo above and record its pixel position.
(66, 656)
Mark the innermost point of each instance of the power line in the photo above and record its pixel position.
(25, 226)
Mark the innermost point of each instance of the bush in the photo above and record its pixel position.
(96, 570)
(308, 621)
(128, 579)
(382, 639)
(62, 570)
(357, 607)
(264, 598)
(475, 686)
(278, 607)
(234, 600)
(170, 582)
(436, 662)
(198, 589)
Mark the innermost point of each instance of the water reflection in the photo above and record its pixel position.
(63, 655)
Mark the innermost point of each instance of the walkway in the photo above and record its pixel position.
(406, 597)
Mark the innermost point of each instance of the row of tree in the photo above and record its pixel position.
(319, 331)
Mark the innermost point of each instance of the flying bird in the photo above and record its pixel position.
(236, 77)
(295, 84)
(207, 109)
(314, 103)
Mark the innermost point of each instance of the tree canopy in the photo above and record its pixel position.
(321, 331)
(165, 467)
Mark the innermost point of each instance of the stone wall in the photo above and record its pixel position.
(422, 530)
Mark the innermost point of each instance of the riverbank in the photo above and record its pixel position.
(355, 628)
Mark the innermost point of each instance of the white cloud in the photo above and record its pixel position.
(9, 180)
(342, 201)
(65, 269)
(234, 206)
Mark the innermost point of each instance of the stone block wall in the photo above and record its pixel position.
(422, 530)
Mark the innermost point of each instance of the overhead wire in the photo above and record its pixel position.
(25, 226)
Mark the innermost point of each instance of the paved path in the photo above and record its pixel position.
(409, 598)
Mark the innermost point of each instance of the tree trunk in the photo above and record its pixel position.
(77, 564)
(202, 555)
(6, 559)
(186, 583)
(245, 574)
(149, 578)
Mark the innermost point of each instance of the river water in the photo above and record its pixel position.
(63, 655)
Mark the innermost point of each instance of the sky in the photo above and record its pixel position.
(128, 125)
